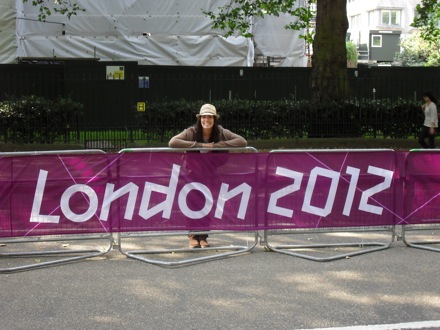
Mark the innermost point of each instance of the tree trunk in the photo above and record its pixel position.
(329, 80)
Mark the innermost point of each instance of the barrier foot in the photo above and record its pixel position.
(377, 246)
(226, 251)
(85, 253)
(424, 245)
(291, 249)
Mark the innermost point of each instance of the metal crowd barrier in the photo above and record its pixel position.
(247, 243)
(423, 168)
(426, 244)
(306, 244)
(67, 255)
(423, 175)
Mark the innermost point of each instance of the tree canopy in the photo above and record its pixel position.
(235, 16)
(427, 20)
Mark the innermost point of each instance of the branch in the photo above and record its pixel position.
(67, 8)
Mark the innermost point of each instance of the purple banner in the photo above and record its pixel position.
(312, 189)
(422, 187)
(188, 191)
(66, 194)
(50, 194)
(161, 191)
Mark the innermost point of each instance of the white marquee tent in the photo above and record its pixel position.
(151, 32)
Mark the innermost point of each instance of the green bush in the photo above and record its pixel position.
(289, 118)
(352, 52)
(416, 51)
(35, 119)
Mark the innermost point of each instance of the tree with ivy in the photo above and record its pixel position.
(329, 80)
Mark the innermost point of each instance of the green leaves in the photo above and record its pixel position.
(35, 119)
(236, 17)
(352, 52)
(428, 20)
(290, 118)
(416, 51)
(67, 8)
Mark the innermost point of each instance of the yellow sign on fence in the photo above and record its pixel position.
(115, 73)
(141, 106)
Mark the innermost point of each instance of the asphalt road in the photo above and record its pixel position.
(257, 290)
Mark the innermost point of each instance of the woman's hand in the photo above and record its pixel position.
(208, 145)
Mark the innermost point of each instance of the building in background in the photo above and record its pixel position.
(377, 26)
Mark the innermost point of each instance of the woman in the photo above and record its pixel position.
(430, 124)
(206, 133)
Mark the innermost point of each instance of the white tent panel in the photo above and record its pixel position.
(114, 18)
(272, 39)
(159, 50)
(8, 44)
(172, 32)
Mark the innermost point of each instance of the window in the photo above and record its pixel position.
(374, 18)
(371, 17)
(355, 21)
(376, 40)
(390, 17)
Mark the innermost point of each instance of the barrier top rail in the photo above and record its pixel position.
(424, 150)
(167, 149)
(330, 150)
(51, 152)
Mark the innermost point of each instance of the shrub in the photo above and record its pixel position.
(34, 119)
(289, 118)
(417, 52)
(352, 52)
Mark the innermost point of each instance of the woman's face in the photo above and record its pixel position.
(207, 121)
(426, 98)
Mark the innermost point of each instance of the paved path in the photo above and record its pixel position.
(260, 290)
(433, 325)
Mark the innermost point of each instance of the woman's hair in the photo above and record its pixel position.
(215, 135)
(431, 96)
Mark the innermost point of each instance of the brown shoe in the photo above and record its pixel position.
(193, 242)
(204, 243)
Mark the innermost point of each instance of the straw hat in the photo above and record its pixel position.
(208, 109)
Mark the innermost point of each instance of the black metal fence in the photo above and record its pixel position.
(117, 112)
